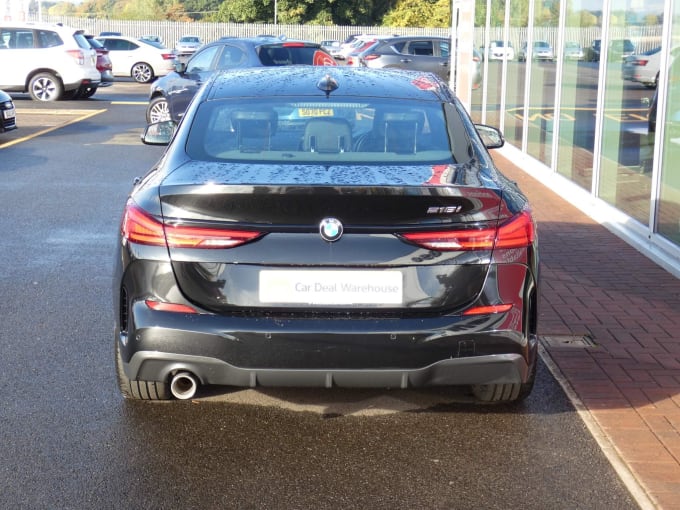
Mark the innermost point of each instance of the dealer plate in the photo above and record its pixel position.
(331, 287)
(315, 112)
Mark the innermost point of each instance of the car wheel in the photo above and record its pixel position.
(88, 92)
(499, 393)
(488, 393)
(142, 72)
(139, 390)
(45, 87)
(158, 110)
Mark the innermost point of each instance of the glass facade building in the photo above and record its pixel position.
(590, 96)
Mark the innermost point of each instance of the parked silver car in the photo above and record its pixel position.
(541, 50)
(417, 53)
(187, 45)
(643, 68)
(573, 51)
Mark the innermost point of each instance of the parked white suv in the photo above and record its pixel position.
(48, 61)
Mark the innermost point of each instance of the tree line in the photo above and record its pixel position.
(398, 13)
(392, 13)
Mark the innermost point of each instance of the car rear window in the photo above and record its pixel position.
(82, 41)
(279, 55)
(304, 130)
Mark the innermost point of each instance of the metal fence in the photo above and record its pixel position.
(171, 31)
(644, 38)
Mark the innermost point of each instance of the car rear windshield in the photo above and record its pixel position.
(280, 55)
(303, 130)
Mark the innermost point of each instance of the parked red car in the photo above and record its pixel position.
(104, 66)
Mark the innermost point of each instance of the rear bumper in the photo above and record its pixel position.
(495, 369)
(261, 351)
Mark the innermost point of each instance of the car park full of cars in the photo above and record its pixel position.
(8, 113)
(325, 226)
(169, 96)
(142, 60)
(48, 61)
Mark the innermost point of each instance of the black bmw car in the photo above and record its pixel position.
(312, 226)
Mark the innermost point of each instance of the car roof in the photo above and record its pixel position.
(300, 80)
(57, 27)
(413, 38)
(262, 40)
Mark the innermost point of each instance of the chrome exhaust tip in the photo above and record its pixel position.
(183, 386)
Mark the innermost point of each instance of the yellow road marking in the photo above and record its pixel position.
(90, 113)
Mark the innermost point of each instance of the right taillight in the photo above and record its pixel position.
(77, 55)
(371, 56)
(517, 232)
(142, 228)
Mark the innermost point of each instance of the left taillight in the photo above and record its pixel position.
(517, 232)
(140, 227)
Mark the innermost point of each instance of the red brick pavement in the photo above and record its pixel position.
(595, 285)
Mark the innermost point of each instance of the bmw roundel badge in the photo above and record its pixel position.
(330, 229)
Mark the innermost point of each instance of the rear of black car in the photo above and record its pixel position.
(7, 113)
(265, 252)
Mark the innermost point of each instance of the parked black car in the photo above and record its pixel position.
(619, 49)
(333, 226)
(8, 114)
(672, 124)
(170, 95)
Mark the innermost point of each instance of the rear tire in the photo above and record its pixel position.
(45, 87)
(139, 390)
(89, 92)
(500, 393)
(142, 72)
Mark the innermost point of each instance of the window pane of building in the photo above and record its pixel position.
(541, 59)
(668, 220)
(579, 95)
(624, 180)
(514, 97)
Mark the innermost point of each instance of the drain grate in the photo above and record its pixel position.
(568, 341)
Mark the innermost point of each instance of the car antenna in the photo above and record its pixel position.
(327, 84)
